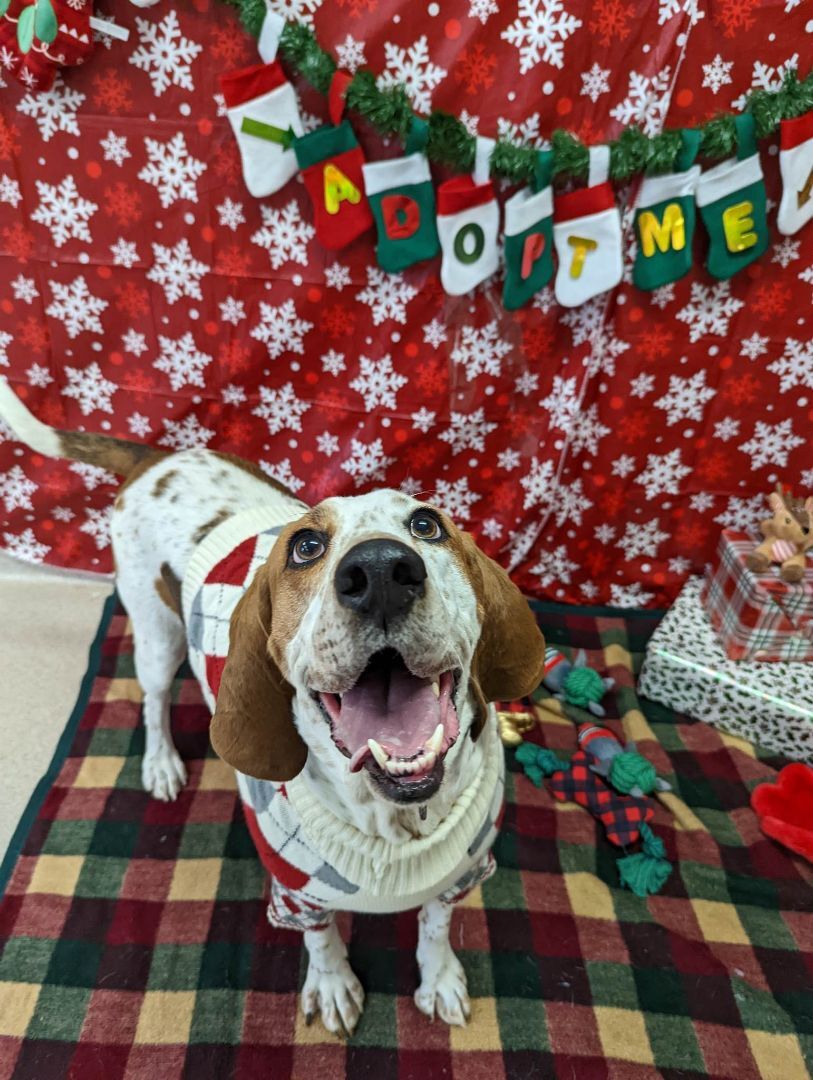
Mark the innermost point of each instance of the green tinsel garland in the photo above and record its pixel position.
(390, 113)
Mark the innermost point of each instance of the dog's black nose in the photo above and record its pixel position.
(380, 579)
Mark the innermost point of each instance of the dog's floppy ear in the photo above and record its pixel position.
(510, 655)
(253, 728)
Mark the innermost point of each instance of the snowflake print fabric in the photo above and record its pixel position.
(596, 451)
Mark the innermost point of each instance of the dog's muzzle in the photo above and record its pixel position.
(380, 580)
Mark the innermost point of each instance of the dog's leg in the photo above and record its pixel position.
(331, 988)
(160, 646)
(443, 980)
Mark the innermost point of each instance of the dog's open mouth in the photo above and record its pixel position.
(396, 725)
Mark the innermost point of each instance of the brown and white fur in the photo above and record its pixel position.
(469, 619)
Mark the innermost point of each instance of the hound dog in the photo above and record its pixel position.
(348, 653)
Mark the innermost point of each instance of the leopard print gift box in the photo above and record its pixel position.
(686, 669)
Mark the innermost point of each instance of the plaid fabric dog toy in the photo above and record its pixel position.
(625, 817)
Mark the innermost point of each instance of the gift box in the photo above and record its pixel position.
(687, 670)
(757, 616)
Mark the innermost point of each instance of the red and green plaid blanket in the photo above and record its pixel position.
(135, 944)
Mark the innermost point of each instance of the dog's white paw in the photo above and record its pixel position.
(163, 774)
(446, 994)
(336, 996)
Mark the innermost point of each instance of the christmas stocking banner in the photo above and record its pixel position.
(732, 202)
(263, 112)
(587, 235)
(331, 162)
(665, 220)
(796, 167)
(468, 222)
(529, 237)
(36, 40)
(402, 199)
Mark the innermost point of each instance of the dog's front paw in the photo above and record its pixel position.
(336, 995)
(163, 774)
(445, 994)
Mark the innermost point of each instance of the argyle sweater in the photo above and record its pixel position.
(316, 861)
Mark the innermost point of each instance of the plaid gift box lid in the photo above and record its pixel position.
(757, 616)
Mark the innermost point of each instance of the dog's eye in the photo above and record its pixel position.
(787, 521)
(425, 527)
(307, 547)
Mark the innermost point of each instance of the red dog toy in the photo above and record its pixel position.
(785, 809)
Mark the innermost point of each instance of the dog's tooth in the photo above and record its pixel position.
(436, 741)
(436, 689)
(378, 752)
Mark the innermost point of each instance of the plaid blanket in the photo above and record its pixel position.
(135, 945)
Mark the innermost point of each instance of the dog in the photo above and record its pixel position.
(349, 654)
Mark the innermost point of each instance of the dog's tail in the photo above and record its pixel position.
(118, 456)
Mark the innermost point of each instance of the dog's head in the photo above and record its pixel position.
(375, 632)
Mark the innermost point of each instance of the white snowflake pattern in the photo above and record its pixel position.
(467, 431)
(284, 235)
(75, 307)
(97, 525)
(377, 383)
(53, 110)
(623, 465)
(492, 529)
(663, 296)
(327, 444)
(172, 170)
(367, 462)
(455, 498)
(686, 398)
(742, 514)
(795, 366)
(91, 475)
(642, 538)
(90, 388)
(701, 501)
(520, 542)
(527, 383)
(585, 322)
(594, 82)
(333, 362)
(709, 309)
(177, 271)
(679, 565)
(232, 310)
(785, 252)
(38, 375)
(646, 102)
(663, 473)
(387, 295)
(24, 289)
(570, 502)
(424, 419)
(754, 346)
(807, 275)
(642, 385)
(124, 253)
(726, 429)
(164, 53)
(233, 395)
(295, 11)
(480, 350)
(509, 459)
(139, 425)
(605, 533)
(523, 131)
(5, 340)
(605, 348)
(280, 329)
(717, 74)
(337, 276)
(63, 513)
(629, 596)
(561, 403)
(483, 9)
(545, 300)
(182, 361)
(586, 431)
(766, 77)
(230, 214)
(667, 9)
(25, 546)
(186, 434)
(283, 474)
(434, 333)
(771, 444)
(411, 68)
(350, 54)
(554, 566)
(133, 342)
(10, 191)
(16, 489)
(539, 33)
(62, 211)
(281, 409)
(469, 122)
(539, 484)
(115, 148)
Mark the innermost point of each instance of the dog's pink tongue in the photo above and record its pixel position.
(394, 707)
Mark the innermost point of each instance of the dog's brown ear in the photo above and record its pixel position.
(253, 728)
(510, 656)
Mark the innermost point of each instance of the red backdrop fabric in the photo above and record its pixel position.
(596, 451)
